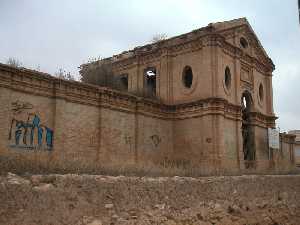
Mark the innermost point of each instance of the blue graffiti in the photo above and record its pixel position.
(18, 132)
(32, 129)
(40, 136)
(49, 137)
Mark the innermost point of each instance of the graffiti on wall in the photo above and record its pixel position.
(175, 163)
(29, 133)
(93, 140)
(18, 106)
(155, 140)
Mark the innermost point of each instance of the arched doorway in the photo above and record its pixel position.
(247, 130)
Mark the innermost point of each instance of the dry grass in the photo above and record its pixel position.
(22, 165)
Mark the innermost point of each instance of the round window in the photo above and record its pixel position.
(227, 78)
(261, 92)
(243, 42)
(187, 77)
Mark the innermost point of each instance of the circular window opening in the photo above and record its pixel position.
(261, 92)
(243, 42)
(187, 77)
(227, 78)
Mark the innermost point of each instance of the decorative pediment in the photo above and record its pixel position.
(258, 51)
(240, 28)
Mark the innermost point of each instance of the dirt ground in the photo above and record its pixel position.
(104, 200)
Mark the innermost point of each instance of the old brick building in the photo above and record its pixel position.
(296, 146)
(206, 103)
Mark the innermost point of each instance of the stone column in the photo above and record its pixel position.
(238, 93)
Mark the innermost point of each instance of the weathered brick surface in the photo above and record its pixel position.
(197, 127)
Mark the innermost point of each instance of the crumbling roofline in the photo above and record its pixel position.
(157, 45)
(212, 28)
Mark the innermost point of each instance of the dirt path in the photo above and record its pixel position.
(96, 200)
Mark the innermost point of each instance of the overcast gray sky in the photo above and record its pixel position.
(53, 34)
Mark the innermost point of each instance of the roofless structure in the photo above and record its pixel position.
(199, 100)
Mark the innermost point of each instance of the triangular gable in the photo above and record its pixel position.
(243, 26)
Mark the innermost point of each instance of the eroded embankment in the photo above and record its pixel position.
(95, 200)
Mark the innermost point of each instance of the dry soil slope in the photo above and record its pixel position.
(89, 199)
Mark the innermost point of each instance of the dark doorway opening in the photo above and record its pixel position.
(120, 82)
(247, 130)
(124, 82)
(150, 82)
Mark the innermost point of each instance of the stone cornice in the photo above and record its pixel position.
(262, 120)
(41, 84)
(287, 138)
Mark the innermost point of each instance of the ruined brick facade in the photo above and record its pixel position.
(296, 145)
(213, 104)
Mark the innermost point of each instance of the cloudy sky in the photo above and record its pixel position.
(53, 34)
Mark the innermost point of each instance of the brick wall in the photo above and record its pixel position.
(54, 122)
